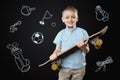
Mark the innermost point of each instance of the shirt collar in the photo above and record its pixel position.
(74, 27)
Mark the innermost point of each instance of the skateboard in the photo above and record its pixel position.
(73, 48)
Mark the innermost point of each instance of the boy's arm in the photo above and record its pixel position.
(85, 48)
(56, 53)
(83, 45)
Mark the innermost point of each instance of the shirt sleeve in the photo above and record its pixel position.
(85, 34)
(58, 38)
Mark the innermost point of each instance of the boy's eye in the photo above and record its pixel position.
(73, 16)
(67, 17)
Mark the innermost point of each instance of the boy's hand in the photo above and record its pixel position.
(53, 57)
(82, 43)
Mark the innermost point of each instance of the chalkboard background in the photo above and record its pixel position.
(39, 53)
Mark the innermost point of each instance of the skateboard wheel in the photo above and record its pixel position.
(98, 43)
(54, 66)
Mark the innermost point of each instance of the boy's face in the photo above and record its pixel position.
(69, 18)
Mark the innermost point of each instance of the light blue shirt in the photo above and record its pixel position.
(66, 39)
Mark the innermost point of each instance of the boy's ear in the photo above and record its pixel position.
(62, 19)
(77, 18)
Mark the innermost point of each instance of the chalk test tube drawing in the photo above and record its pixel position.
(101, 15)
(22, 63)
(13, 27)
(26, 10)
(47, 15)
(102, 64)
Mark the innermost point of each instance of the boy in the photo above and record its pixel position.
(73, 65)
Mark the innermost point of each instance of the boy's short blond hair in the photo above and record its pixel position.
(70, 8)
